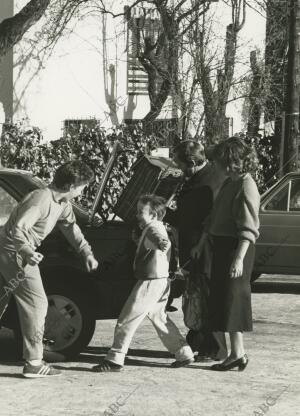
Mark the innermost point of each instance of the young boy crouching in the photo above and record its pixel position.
(150, 294)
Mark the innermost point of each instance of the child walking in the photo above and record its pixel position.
(150, 294)
(28, 225)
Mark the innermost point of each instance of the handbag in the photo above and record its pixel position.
(195, 299)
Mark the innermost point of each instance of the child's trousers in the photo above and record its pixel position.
(25, 284)
(148, 298)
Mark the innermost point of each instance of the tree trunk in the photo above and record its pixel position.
(215, 121)
(13, 28)
(163, 66)
(255, 107)
(156, 104)
(215, 101)
(292, 93)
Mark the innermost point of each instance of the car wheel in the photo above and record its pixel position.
(70, 324)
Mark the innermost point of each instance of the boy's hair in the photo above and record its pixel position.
(156, 203)
(72, 173)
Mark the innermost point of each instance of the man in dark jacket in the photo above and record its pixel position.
(194, 200)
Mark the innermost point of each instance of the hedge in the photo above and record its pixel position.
(23, 148)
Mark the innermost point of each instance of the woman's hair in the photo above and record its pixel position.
(235, 154)
(190, 153)
(72, 173)
(156, 203)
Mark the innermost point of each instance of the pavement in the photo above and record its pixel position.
(277, 283)
(149, 387)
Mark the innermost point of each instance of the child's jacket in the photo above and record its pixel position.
(153, 253)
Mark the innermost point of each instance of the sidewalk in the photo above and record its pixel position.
(149, 387)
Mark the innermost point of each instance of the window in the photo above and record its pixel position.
(279, 201)
(7, 203)
(295, 195)
(287, 198)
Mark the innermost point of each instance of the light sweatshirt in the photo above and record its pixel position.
(235, 211)
(35, 217)
(153, 253)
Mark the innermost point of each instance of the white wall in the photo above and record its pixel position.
(6, 68)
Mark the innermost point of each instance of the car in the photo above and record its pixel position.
(278, 246)
(77, 298)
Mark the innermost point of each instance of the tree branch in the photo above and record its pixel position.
(192, 22)
(195, 8)
(13, 28)
(127, 9)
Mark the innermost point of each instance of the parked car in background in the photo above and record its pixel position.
(278, 247)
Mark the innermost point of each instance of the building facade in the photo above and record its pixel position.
(6, 69)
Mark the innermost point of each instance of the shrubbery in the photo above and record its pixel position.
(267, 149)
(22, 148)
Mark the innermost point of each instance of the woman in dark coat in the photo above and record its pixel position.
(233, 226)
(194, 202)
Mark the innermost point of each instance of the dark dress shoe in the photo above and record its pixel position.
(171, 308)
(106, 366)
(178, 364)
(240, 363)
(204, 358)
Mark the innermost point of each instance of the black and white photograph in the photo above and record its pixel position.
(149, 207)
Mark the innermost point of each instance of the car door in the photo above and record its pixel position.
(278, 247)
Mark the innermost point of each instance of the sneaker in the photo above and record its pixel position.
(37, 371)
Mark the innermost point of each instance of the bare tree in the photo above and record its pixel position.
(216, 95)
(182, 22)
(205, 82)
(12, 29)
(110, 93)
(159, 56)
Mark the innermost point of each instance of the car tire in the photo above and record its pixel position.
(70, 322)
